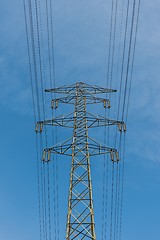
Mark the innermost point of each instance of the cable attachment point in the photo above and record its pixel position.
(122, 127)
(39, 127)
(54, 104)
(46, 155)
(106, 103)
(114, 156)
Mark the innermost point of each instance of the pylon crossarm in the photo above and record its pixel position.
(62, 90)
(85, 88)
(101, 121)
(67, 100)
(70, 99)
(66, 147)
(97, 149)
(68, 121)
(60, 121)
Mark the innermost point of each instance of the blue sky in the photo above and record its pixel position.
(81, 58)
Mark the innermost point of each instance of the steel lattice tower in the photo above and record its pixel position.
(80, 218)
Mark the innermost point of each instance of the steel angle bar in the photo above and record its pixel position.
(78, 181)
(81, 164)
(80, 233)
(83, 220)
(80, 216)
(80, 223)
(80, 195)
(80, 200)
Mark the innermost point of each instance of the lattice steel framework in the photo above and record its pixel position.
(80, 218)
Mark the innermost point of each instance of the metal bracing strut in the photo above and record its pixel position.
(80, 218)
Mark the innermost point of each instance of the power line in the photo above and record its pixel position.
(112, 198)
(123, 58)
(34, 110)
(132, 65)
(128, 60)
(116, 198)
(122, 187)
(34, 57)
(105, 189)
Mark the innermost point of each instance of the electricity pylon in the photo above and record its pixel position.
(80, 218)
